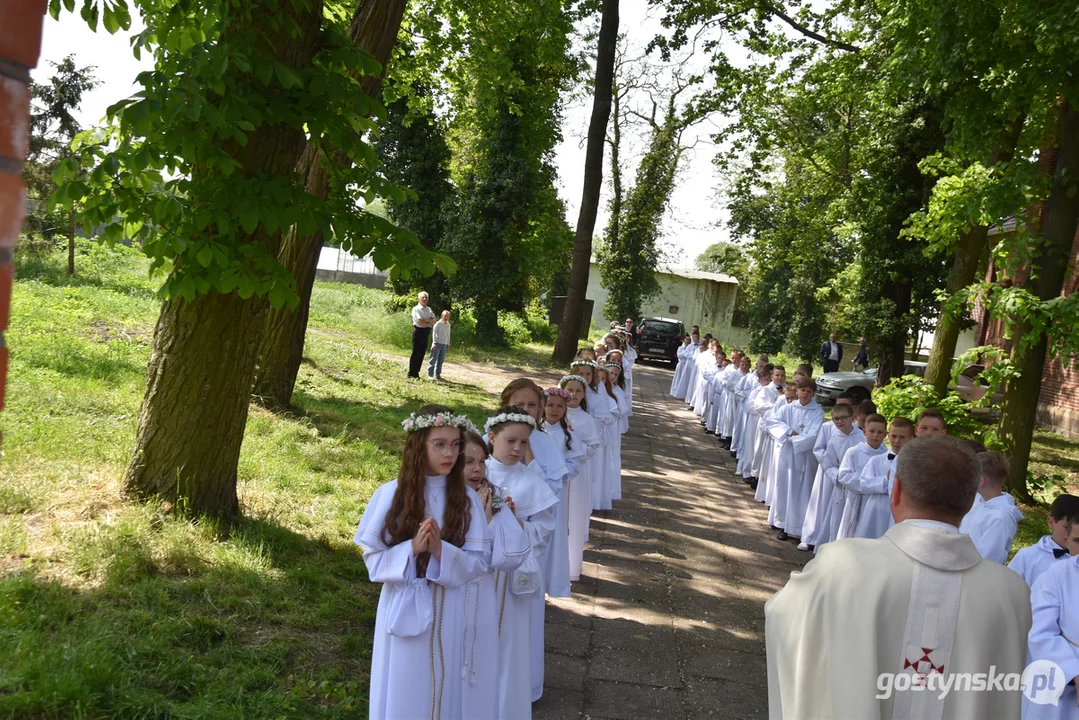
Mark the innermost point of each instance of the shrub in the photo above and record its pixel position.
(908, 396)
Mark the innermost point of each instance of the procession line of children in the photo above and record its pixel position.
(478, 530)
(826, 481)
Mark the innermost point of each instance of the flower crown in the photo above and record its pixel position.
(584, 363)
(503, 418)
(557, 392)
(613, 366)
(568, 378)
(416, 422)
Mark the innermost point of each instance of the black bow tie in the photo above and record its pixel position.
(891, 456)
(1059, 553)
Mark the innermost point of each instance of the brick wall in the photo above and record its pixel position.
(20, 45)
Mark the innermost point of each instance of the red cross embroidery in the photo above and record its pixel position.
(923, 666)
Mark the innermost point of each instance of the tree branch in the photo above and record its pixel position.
(774, 10)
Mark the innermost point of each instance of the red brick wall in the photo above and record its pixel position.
(1058, 406)
(20, 46)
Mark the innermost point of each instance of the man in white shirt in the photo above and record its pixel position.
(918, 602)
(423, 318)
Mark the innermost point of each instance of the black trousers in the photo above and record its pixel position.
(830, 365)
(420, 342)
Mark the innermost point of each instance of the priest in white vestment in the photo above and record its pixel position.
(867, 621)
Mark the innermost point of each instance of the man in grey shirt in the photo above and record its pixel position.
(423, 318)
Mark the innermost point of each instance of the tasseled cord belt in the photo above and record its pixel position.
(438, 605)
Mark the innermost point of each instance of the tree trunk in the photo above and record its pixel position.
(70, 243)
(968, 253)
(566, 344)
(191, 424)
(374, 28)
(1058, 226)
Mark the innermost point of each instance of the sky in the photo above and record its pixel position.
(694, 221)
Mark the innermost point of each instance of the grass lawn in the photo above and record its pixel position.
(109, 609)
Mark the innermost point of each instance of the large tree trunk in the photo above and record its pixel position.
(374, 28)
(566, 344)
(191, 424)
(1058, 226)
(968, 253)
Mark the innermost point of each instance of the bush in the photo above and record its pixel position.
(908, 396)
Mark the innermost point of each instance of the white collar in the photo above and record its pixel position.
(934, 524)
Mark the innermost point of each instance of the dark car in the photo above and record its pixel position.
(660, 338)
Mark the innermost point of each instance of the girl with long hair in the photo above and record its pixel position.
(609, 431)
(483, 643)
(599, 407)
(507, 440)
(585, 431)
(424, 537)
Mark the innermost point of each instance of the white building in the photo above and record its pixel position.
(694, 297)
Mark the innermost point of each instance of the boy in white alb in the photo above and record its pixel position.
(874, 484)
(1053, 633)
(839, 436)
(992, 523)
(762, 379)
(848, 504)
(1031, 562)
(797, 466)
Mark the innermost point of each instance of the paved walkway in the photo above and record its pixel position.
(668, 618)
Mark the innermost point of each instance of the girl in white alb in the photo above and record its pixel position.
(483, 601)
(507, 439)
(424, 537)
(612, 447)
(586, 435)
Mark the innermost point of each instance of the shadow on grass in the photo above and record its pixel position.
(268, 623)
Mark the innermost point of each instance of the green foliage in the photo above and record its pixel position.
(198, 166)
(908, 396)
(52, 128)
(726, 258)
(413, 148)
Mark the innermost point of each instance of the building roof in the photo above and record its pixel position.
(690, 273)
(696, 274)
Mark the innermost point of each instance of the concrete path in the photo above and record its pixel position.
(667, 620)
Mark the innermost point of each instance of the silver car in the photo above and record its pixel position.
(860, 384)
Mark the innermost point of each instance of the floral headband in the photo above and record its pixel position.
(416, 422)
(613, 366)
(558, 392)
(584, 363)
(570, 378)
(503, 418)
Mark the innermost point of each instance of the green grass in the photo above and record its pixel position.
(116, 609)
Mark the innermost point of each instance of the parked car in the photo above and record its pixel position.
(660, 339)
(860, 383)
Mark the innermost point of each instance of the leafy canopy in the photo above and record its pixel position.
(170, 167)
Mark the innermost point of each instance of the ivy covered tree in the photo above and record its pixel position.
(199, 168)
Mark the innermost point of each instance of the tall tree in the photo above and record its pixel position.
(373, 28)
(52, 128)
(566, 343)
(1057, 224)
(237, 91)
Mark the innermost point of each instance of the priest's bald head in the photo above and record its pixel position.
(936, 478)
